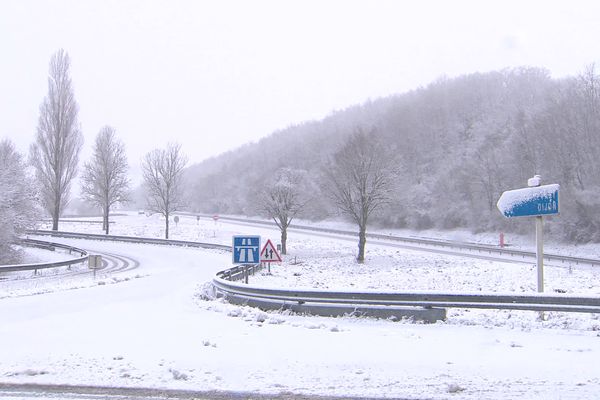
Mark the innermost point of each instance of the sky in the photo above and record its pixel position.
(215, 75)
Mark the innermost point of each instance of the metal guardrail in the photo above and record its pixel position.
(79, 221)
(534, 302)
(239, 272)
(129, 239)
(430, 242)
(83, 256)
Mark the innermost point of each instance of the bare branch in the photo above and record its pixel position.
(283, 198)
(163, 174)
(104, 181)
(360, 180)
(55, 152)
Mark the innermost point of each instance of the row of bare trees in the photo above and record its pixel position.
(54, 156)
(55, 152)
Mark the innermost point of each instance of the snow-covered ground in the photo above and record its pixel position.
(150, 327)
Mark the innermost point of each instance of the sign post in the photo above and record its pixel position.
(539, 251)
(95, 263)
(215, 218)
(533, 201)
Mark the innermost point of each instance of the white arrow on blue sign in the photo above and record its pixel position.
(530, 202)
(246, 249)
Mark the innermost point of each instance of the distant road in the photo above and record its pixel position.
(70, 392)
(439, 246)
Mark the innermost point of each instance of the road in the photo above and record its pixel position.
(427, 245)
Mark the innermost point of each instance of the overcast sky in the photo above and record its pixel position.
(215, 75)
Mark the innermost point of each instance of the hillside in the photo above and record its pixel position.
(460, 143)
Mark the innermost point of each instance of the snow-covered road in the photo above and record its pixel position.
(149, 327)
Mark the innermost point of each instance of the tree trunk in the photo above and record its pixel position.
(105, 220)
(284, 241)
(55, 215)
(166, 225)
(362, 240)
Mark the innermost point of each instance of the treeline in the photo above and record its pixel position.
(459, 143)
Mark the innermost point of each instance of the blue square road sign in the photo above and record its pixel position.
(246, 249)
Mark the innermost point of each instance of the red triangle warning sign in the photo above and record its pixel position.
(269, 253)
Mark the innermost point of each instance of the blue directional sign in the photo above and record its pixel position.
(529, 202)
(246, 249)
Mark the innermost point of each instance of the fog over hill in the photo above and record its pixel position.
(459, 143)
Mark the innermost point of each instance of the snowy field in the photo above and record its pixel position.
(149, 326)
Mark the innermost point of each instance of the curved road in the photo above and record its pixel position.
(26, 283)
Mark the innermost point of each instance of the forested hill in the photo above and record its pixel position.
(460, 143)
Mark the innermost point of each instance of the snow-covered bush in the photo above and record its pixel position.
(18, 202)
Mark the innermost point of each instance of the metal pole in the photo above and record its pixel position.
(539, 252)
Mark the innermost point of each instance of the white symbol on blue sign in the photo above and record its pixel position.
(246, 249)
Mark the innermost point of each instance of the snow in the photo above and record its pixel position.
(535, 181)
(150, 326)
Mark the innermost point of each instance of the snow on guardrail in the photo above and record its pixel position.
(83, 256)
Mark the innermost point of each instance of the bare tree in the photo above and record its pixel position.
(360, 180)
(163, 175)
(55, 152)
(18, 201)
(283, 199)
(104, 179)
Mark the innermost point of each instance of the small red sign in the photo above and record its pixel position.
(215, 217)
